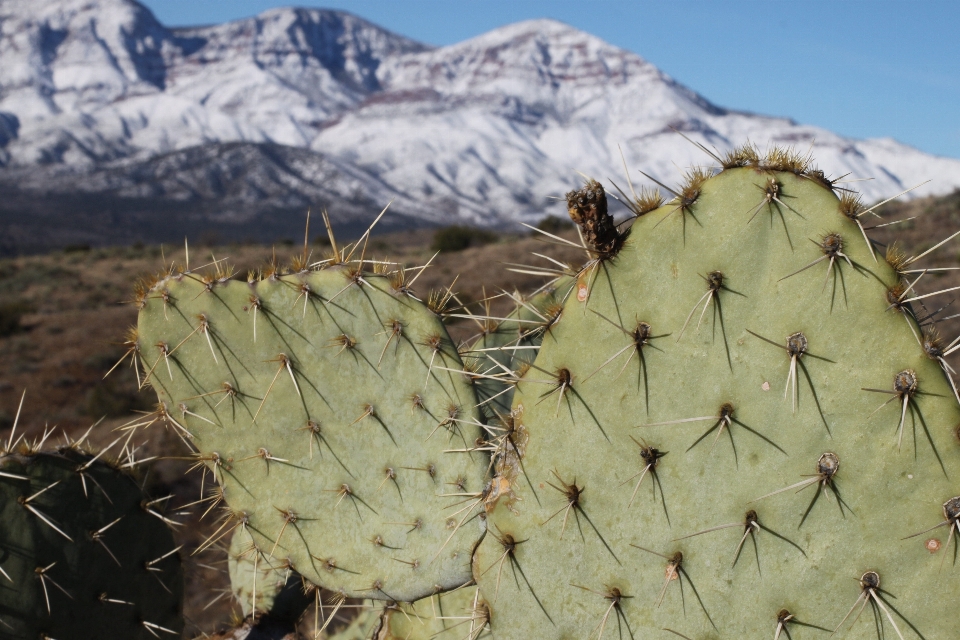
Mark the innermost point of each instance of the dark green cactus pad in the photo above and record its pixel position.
(659, 442)
(322, 403)
(82, 553)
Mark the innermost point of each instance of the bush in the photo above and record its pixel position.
(554, 224)
(10, 315)
(458, 238)
(107, 399)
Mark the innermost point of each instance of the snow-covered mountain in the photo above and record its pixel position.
(303, 107)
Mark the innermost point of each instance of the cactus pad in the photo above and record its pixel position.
(734, 432)
(83, 554)
(322, 401)
(510, 345)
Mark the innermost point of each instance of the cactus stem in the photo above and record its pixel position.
(562, 382)
(783, 617)
(772, 195)
(305, 293)
(688, 196)
(377, 587)
(614, 596)
(796, 348)
(675, 571)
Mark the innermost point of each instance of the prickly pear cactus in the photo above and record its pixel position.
(510, 345)
(323, 403)
(737, 430)
(83, 553)
(461, 613)
(262, 584)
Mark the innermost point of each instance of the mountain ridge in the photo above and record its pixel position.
(99, 97)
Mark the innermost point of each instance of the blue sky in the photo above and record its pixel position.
(862, 68)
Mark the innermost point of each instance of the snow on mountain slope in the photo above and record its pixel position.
(92, 92)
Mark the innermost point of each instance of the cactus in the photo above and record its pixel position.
(461, 613)
(83, 554)
(322, 400)
(741, 427)
(506, 347)
(264, 586)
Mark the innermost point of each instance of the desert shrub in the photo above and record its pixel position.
(111, 399)
(459, 237)
(11, 314)
(554, 224)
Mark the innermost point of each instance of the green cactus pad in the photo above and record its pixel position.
(82, 552)
(511, 345)
(460, 613)
(321, 402)
(262, 583)
(670, 483)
